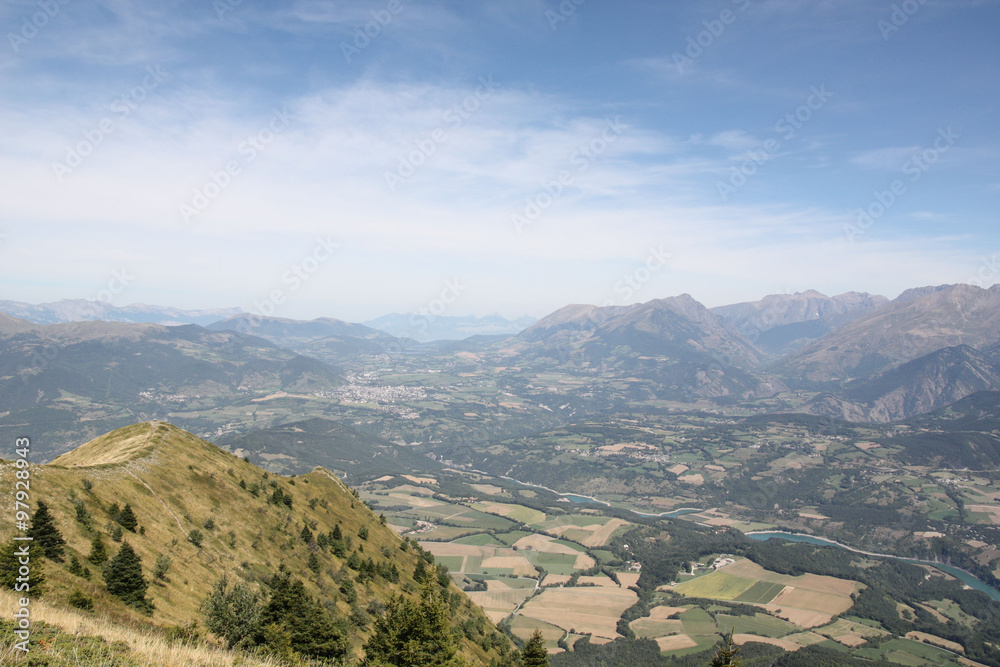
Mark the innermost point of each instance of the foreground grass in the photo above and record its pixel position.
(61, 636)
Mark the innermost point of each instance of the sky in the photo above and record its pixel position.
(350, 159)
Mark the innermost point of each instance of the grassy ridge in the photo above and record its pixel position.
(177, 483)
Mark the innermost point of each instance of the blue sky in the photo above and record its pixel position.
(350, 159)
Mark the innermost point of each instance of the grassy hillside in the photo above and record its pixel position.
(177, 483)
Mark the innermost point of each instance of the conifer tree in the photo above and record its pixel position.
(44, 533)
(534, 653)
(292, 613)
(726, 654)
(123, 576)
(74, 566)
(98, 554)
(413, 634)
(126, 518)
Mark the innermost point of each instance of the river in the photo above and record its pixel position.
(959, 574)
(963, 576)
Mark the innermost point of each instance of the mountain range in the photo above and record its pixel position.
(853, 356)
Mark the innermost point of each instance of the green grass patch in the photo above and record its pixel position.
(716, 586)
(761, 592)
(512, 536)
(479, 540)
(758, 624)
(698, 622)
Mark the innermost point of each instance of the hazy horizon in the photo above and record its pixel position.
(351, 159)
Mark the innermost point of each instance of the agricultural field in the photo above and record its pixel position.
(531, 559)
(808, 600)
(591, 610)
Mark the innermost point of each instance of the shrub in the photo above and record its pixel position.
(195, 537)
(161, 567)
(80, 601)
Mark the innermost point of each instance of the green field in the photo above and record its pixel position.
(717, 586)
(479, 540)
(761, 592)
(758, 624)
(697, 621)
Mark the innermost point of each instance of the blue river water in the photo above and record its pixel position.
(961, 575)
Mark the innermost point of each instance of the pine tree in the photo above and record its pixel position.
(306, 534)
(725, 655)
(302, 620)
(534, 653)
(126, 518)
(123, 576)
(420, 573)
(10, 569)
(98, 554)
(45, 534)
(74, 566)
(314, 564)
(412, 634)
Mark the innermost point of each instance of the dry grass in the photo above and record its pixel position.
(954, 647)
(651, 627)
(592, 609)
(782, 643)
(600, 537)
(146, 646)
(545, 544)
(675, 643)
(519, 564)
(628, 579)
(499, 604)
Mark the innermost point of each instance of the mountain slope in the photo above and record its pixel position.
(82, 310)
(676, 343)
(906, 329)
(779, 323)
(177, 483)
(108, 374)
(919, 386)
(293, 446)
